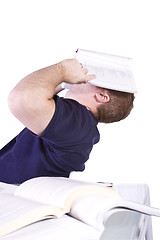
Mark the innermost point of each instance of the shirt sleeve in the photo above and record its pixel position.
(71, 124)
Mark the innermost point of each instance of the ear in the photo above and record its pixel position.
(102, 97)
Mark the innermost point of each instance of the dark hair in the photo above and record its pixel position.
(118, 108)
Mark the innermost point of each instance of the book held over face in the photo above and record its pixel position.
(112, 72)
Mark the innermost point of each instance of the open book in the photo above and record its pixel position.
(47, 197)
(112, 72)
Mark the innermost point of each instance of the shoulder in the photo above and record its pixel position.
(71, 121)
(73, 111)
(69, 105)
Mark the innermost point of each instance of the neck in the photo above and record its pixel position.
(84, 94)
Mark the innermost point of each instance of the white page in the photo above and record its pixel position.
(112, 72)
(105, 57)
(64, 228)
(117, 80)
(18, 212)
(104, 62)
(13, 207)
(7, 188)
(49, 190)
(52, 190)
(94, 210)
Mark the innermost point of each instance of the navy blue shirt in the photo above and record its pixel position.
(63, 147)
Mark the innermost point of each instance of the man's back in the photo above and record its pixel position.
(57, 151)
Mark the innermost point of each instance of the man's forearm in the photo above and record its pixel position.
(41, 83)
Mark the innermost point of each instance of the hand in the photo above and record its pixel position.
(73, 72)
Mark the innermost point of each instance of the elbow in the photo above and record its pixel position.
(13, 102)
(16, 102)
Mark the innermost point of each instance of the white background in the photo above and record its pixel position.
(37, 33)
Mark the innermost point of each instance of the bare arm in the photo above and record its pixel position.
(31, 101)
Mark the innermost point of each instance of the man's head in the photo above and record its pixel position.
(106, 105)
(118, 108)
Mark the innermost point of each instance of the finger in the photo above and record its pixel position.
(90, 77)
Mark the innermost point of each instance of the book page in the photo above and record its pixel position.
(55, 191)
(7, 188)
(112, 72)
(94, 210)
(104, 58)
(49, 190)
(63, 228)
(12, 207)
(17, 212)
(110, 78)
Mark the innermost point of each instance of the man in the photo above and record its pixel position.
(60, 132)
